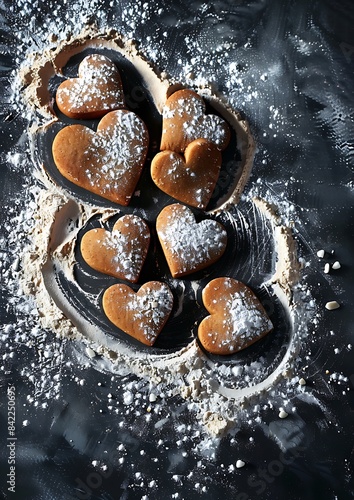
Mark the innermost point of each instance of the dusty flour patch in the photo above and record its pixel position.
(288, 267)
(22, 331)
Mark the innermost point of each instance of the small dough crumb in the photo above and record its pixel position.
(215, 423)
(152, 398)
(90, 352)
(332, 305)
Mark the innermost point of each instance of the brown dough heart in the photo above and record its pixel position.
(191, 179)
(97, 90)
(189, 246)
(121, 252)
(141, 315)
(107, 162)
(237, 318)
(184, 120)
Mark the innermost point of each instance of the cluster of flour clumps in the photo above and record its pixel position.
(154, 305)
(251, 319)
(201, 240)
(113, 155)
(194, 128)
(131, 261)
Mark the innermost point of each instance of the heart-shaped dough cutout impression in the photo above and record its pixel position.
(97, 90)
(107, 162)
(191, 179)
(237, 318)
(121, 252)
(184, 120)
(189, 246)
(141, 315)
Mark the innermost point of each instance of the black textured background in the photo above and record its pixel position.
(306, 49)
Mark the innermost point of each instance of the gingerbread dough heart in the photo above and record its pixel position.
(237, 318)
(189, 246)
(107, 162)
(141, 315)
(190, 179)
(184, 120)
(97, 90)
(121, 252)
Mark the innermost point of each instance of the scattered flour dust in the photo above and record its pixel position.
(49, 224)
(192, 374)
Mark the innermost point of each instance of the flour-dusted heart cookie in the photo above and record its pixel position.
(237, 318)
(97, 90)
(190, 179)
(189, 246)
(141, 315)
(121, 252)
(184, 120)
(107, 162)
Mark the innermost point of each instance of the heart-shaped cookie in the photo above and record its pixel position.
(184, 120)
(189, 246)
(237, 318)
(107, 162)
(141, 315)
(190, 179)
(121, 252)
(97, 90)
